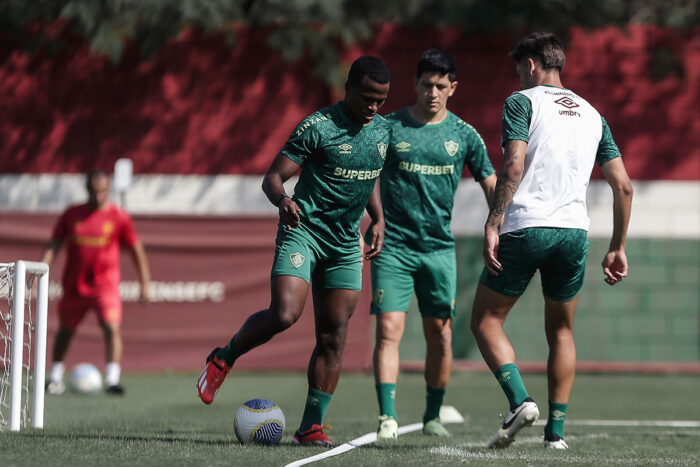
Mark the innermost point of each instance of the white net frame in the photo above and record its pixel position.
(23, 326)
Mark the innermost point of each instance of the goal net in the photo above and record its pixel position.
(23, 317)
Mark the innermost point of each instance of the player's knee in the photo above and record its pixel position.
(476, 325)
(390, 328)
(388, 332)
(333, 342)
(439, 337)
(284, 317)
(332, 346)
(285, 320)
(559, 334)
(110, 329)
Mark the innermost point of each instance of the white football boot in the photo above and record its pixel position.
(523, 415)
(555, 442)
(55, 387)
(388, 428)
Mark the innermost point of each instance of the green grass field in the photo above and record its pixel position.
(161, 422)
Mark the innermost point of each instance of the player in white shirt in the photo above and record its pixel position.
(551, 139)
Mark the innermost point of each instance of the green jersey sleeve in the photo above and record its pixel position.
(515, 121)
(478, 158)
(302, 143)
(607, 149)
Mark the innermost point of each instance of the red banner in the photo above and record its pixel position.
(209, 274)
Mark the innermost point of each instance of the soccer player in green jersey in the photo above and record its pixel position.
(341, 151)
(429, 148)
(551, 138)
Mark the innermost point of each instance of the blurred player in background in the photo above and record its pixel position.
(551, 138)
(93, 233)
(340, 150)
(429, 147)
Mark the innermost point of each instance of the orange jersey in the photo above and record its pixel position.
(93, 239)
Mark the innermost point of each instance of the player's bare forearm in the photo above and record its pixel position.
(615, 261)
(616, 176)
(375, 232)
(273, 186)
(281, 169)
(488, 185)
(374, 205)
(50, 250)
(138, 256)
(509, 177)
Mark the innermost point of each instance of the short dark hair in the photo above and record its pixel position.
(543, 46)
(94, 173)
(437, 61)
(368, 65)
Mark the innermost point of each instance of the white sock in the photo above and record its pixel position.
(57, 370)
(112, 373)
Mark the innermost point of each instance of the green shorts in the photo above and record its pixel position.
(433, 277)
(298, 254)
(559, 254)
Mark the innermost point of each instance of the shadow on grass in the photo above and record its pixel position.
(162, 436)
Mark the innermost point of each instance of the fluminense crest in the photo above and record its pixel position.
(297, 259)
(451, 147)
(378, 296)
(382, 149)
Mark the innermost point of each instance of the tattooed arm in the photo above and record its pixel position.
(509, 177)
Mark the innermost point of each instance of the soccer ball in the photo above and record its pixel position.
(259, 421)
(86, 379)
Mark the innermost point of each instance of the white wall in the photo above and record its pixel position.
(661, 209)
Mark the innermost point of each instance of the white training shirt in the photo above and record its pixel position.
(564, 135)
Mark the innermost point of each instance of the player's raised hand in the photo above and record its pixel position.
(614, 266)
(491, 243)
(289, 212)
(374, 238)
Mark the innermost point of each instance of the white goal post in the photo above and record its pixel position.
(19, 375)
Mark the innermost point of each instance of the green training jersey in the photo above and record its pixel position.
(422, 171)
(340, 161)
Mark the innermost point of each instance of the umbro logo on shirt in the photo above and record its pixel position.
(345, 148)
(566, 102)
(569, 103)
(403, 146)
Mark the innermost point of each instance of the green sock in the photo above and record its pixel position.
(556, 419)
(509, 378)
(434, 399)
(229, 353)
(316, 405)
(386, 395)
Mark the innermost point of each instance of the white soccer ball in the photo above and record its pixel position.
(259, 421)
(86, 379)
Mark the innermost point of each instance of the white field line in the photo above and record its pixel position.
(661, 423)
(448, 414)
(361, 441)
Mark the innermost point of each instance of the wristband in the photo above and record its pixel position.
(280, 198)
